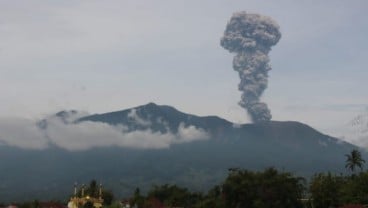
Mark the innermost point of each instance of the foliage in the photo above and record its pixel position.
(326, 190)
(137, 199)
(33, 204)
(107, 196)
(172, 195)
(214, 199)
(242, 188)
(354, 160)
(329, 190)
(269, 188)
(245, 188)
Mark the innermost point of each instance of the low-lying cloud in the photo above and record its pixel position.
(26, 134)
(137, 119)
(22, 133)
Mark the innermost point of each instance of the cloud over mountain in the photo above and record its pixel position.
(63, 132)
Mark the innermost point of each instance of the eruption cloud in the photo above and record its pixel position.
(251, 37)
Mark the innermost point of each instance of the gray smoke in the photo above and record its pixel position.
(251, 37)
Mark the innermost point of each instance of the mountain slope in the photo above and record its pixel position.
(196, 164)
(158, 118)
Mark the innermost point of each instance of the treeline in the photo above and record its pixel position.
(249, 189)
(328, 190)
(242, 188)
(270, 188)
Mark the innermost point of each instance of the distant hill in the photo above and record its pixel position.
(196, 164)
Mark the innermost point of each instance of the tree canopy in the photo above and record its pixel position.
(354, 160)
(269, 188)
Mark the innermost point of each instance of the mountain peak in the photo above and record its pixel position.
(153, 107)
(164, 118)
(163, 143)
(151, 104)
(66, 113)
(157, 118)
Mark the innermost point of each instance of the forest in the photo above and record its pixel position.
(249, 189)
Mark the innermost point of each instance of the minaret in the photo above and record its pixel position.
(100, 192)
(75, 189)
(82, 190)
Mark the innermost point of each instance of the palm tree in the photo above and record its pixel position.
(353, 160)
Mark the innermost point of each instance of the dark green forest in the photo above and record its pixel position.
(270, 188)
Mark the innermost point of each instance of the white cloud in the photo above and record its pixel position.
(22, 133)
(25, 134)
(137, 119)
(189, 133)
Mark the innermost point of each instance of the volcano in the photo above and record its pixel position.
(197, 164)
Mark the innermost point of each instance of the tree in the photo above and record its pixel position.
(329, 190)
(355, 189)
(93, 189)
(353, 160)
(326, 189)
(214, 199)
(138, 199)
(171, 195)
(269, 188)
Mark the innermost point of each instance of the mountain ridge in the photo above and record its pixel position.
(196, 163)
(168, 113)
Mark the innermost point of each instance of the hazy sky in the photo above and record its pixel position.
(101, 56)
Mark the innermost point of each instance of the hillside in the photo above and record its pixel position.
(196, 163)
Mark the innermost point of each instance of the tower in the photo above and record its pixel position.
(85, 197)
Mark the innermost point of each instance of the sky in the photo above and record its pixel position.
(103, 56)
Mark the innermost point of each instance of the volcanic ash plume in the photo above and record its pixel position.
(251, 36)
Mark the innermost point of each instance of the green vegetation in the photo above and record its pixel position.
(254, 189)
(353, 160)
(329, 190)
(268, 188)
(242, 188)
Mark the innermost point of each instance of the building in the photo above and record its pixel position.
(80, 201)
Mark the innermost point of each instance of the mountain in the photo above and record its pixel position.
(194, 152)
(159, 117)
